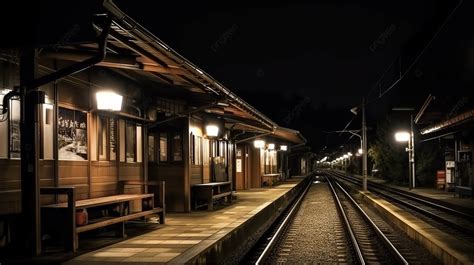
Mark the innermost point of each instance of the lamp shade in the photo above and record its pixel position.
(259, 143)
(212, 130)
(283, 147)
(402, 136)
(108, 100)
(271, 146)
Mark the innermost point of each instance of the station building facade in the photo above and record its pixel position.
(175, 123)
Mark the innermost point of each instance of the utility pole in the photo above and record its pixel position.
(364, 148)
(411, 155)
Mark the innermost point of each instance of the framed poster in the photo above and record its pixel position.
(72, 135)
(238, 165)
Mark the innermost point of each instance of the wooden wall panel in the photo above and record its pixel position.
(73, 96)
(10, 185)
(196, 175)
(75, 173)
(173, 175)
(131, 171)
(46, 174)
(104, 179)
(255, 172)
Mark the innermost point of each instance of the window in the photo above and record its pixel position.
(151, 148)
(270, 161)
(47, 135)
(205, 152)
(163, 147)
(177, 147)
(130, 142)
(15, 144)
(6, 128)
(102, 138)
(112, 140)
(139, 145)
(196, 154)
(170, 147)
(106, 138)
(3, 136)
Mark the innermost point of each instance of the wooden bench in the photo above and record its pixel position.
(206, 193)
(115, 210)
(464, 191)
(270, 179)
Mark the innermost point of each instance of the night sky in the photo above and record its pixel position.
(306, 64)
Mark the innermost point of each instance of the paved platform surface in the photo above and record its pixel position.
(184, 233)
(438, 194)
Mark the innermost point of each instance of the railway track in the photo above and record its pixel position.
(441, 216)
(369, 243)
(327, 225)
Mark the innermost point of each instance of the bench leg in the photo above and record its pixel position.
(162, 217)
(210, 205)
(120, 232)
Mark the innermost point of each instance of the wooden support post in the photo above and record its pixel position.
(29, 131)
(71, 238)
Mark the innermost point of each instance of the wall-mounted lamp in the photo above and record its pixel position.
(402, 136)
(212, 130)
(283, 147)
(108, 100)
(259, 144)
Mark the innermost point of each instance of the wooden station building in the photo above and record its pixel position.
(163, 120)
(449, 121)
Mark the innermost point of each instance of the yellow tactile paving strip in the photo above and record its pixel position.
(196, 230)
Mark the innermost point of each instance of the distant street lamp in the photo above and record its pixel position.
(408, 137)
(402, 136)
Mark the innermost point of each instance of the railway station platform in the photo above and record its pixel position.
(447, 245)
(439, 195)
(224, 234)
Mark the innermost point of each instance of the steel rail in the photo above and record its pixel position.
(261, 259)
(433, 215)
(414, 198)
(381, 235)
(347, 224)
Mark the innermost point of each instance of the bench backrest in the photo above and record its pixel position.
(155, 187)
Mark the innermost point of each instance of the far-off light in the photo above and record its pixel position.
(259, 144)
(108, 100)
(360, 151)
(271, 146)
(283, 147)
(402, 136)
(349, 154)
(212, 130)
